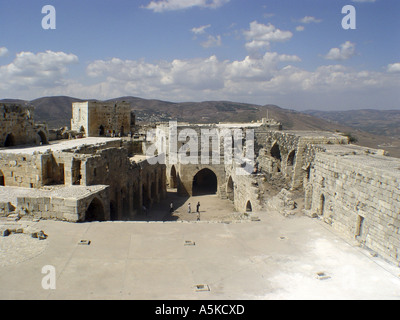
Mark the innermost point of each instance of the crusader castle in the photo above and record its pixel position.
(99, 171)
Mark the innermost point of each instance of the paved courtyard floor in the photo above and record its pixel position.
(178, 258)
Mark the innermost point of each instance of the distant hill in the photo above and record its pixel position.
(372, 128)
(385, 123)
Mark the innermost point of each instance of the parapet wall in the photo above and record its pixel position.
(358, 194)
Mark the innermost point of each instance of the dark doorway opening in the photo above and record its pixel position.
(42, 138)
(95, 211)
(230, 193)
(2, 179)
(205, 182)
(101, 131)
(173, 178)
(249, 207)
(276, 152)
(10, 140)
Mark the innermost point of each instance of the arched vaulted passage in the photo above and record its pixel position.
(95, 211)
(205, 182)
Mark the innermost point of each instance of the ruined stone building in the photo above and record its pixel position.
(18, 126)
(353, 189)
(100, 119)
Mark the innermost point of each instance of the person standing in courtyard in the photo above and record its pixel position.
(171, 207)
(198, 207)
(189, 208)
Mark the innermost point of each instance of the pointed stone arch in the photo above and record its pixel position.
(95, 211)
(276, 152)
(205, 181)
(249, 207)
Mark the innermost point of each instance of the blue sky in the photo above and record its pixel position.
(293, 53)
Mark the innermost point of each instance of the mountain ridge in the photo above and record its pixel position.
(56, 111)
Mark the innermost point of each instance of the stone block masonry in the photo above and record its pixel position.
(357, 192)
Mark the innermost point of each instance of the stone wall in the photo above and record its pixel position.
(286, 155)
(132, 180)
(21, 170)
(17, 126)
(96, 118)
(67, 204)
(356, 191)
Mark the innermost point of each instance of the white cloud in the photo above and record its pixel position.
(29, 70)
(394, 68)
(212, 41)
(300, 28)
(3, 51)
(346, 51)
(260, 36)
(186, 79)
(309, 19)
(200, 30)
(171, 5)
(271, 78)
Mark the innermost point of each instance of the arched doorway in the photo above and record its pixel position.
(230, 193)
(2, 179)
(95, 211)
(10, 140)
(276, 153)
(173, 180)
(204, 182)
(42, 138)
(249, 207)
(291, 159)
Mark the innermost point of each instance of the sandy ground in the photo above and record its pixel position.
(167, 256)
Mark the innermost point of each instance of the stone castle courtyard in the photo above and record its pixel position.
(163, 256)
(296, 215)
